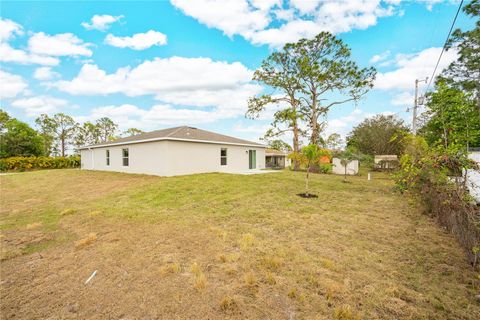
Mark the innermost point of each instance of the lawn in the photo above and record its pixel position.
(216, 246)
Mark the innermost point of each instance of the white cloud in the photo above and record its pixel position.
(198, 82)
(35, 106)
(11, 85)
(45, 73)
(64, 44)
(277, 22)
(128, 116)
(139, 41)
(380, 57)
(9, 54)
(414, 66)
(100, 22)
(8, 29)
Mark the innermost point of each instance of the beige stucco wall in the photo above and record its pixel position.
(170, 158)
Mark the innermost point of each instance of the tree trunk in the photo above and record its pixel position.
(306, 180)
(296, 165)
(63, 146)
(314, 119)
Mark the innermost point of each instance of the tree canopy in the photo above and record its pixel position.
(279, 145)
(307, 79)
(18, 138)
(451, 119)
(381, 134)
(465, 71)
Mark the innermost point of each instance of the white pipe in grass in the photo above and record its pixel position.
(91, 277)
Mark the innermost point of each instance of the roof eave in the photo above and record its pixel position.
(171, 139)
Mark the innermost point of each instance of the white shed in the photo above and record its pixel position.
(175, 151)
(338, 168)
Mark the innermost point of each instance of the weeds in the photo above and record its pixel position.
(200, 281)
(228, 304)
(170, 269)
(86, 241)
(247, 241)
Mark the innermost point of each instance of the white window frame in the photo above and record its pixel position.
(125, 157)
(223, 157)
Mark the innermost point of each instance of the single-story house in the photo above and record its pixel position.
(276, 159)
(174, 151)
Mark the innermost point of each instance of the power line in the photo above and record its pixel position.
(444, 45)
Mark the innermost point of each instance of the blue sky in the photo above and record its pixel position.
(159, 64)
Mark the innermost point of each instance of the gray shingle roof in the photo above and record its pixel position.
(178, 133)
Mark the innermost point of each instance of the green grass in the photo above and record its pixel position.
(359, 250)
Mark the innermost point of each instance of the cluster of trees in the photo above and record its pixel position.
(434, 160)
(306, 80)
(452, 118)
(56, 135)
(381, 134)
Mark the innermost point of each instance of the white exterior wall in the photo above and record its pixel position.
(473, 178)
(338, 168)
(170, 158)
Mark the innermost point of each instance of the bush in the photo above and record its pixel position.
(32, 163)
(323, 168)
(435, 177)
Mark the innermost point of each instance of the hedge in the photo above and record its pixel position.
(31, 163)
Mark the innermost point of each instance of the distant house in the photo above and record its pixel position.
(275, 159)
(386, 162)
(175, 151)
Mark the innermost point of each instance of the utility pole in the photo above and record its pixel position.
(415, 105)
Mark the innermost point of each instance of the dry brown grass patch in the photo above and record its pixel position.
(200, 281)
(94, 213)
(333, 290)
(345, 312)
(247, 241)
(195, 269)
(228, 304)
(272, 262)
(68, 212)
(327, 263)
(222, 258)
(32, 226)
(250, 279)
(270, 278)
(231, 270)
(170, 268)
(86, 241)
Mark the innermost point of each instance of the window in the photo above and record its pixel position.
(223, 157)
(125, 157)
(107, 154)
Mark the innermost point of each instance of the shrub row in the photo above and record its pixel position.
(31, 163)
(435, 177)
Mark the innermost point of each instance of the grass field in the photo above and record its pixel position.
(218, 246)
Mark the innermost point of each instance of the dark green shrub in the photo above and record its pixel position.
(32, 163)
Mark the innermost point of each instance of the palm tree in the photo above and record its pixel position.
(346, 157)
